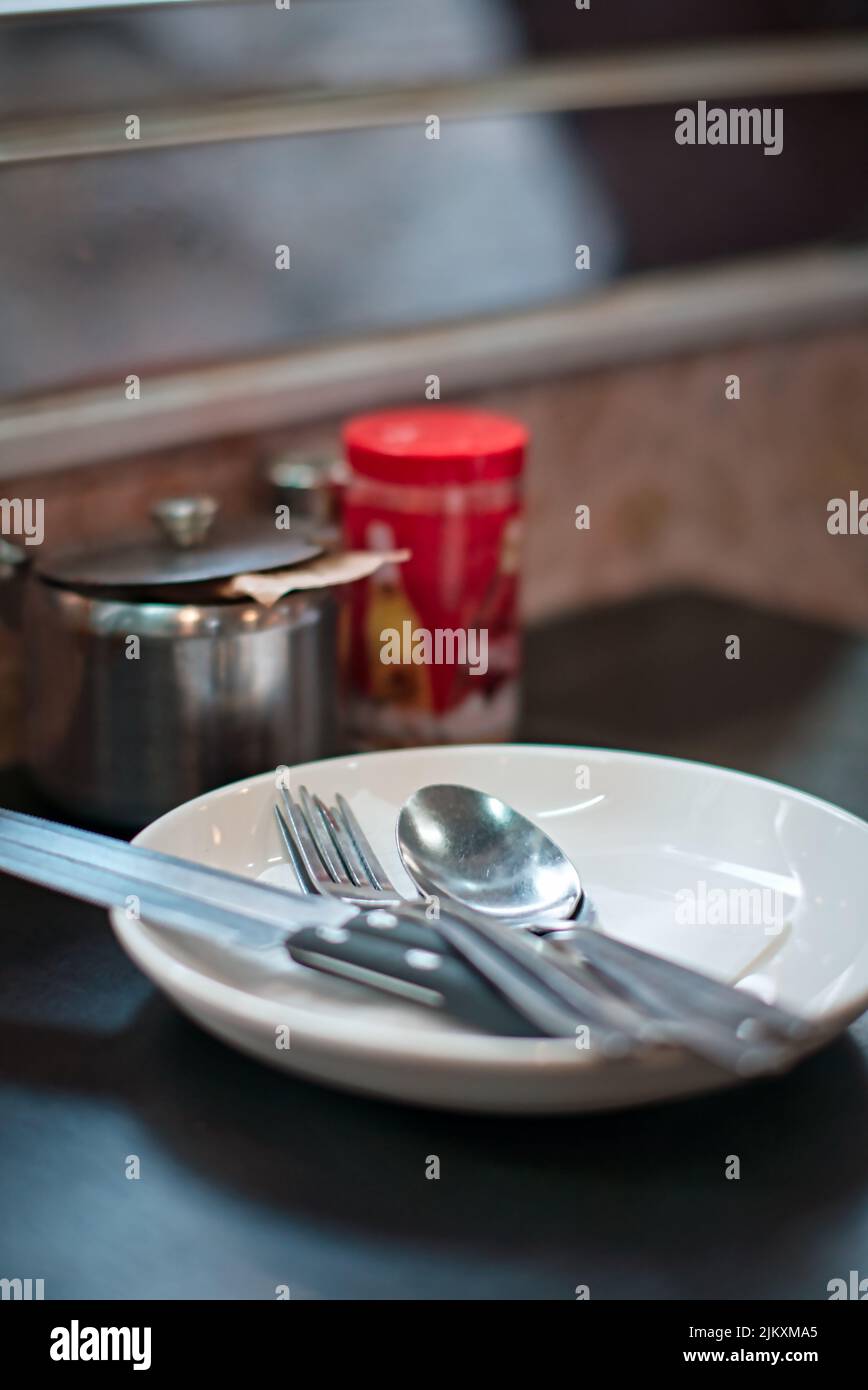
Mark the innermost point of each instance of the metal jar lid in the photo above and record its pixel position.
(195, 545)
(310, 484)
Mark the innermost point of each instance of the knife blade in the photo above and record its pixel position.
(260, 903)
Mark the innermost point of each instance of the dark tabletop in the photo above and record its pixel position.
(250, 1179)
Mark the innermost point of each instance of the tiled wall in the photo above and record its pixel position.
(684, 486)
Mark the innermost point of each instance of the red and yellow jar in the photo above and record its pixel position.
(433, 645)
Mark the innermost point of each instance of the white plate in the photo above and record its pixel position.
(646, 833)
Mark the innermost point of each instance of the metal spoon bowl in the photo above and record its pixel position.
(464, 845)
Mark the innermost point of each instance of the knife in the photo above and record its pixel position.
(205, 904)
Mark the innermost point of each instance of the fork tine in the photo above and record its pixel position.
(344, 846)
(303, 878)
(318, 826)
(376, 873)
(304, 843)
(356, 867)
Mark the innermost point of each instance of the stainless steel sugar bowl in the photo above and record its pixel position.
(146, 685)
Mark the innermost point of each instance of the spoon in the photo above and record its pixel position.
(473, 849)
(469, 847)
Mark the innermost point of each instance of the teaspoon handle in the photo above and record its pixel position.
(675, 991)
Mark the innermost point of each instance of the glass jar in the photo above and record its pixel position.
(432, 653)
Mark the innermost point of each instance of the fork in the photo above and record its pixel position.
(331, 855)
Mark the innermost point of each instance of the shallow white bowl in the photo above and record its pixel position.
(655, 840)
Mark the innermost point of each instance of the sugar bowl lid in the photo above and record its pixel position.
(194, 544)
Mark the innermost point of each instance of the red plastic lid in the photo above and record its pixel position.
(430, 444)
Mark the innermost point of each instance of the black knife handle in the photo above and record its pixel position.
(382, 960)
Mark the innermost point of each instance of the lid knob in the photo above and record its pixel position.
(185, 521)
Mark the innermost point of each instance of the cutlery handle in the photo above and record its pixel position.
(667, 989)
(385, 962)
(615, 1020)
(713, 1038)
(554, 1000)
